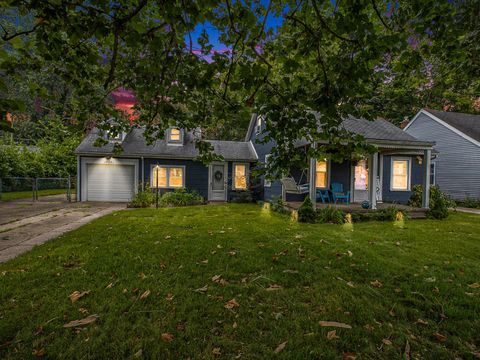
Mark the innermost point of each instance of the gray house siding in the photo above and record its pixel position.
(400, 197)
(457, 165)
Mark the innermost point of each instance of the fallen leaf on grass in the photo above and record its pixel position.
(332, 335)
(232, 253)
(422, 322)
(387, 342)
(77, 295)
(406, 353)
(280, 347)
(235, 325)
(217, 279)
(167, 337)
(288, 271)
(38, 352)
(351, 284)
(274, 287)
(169, 297)
(474, 286)
(334, 324)
(376, 284)
(180, 327)
(216, 351)
(86, 321)
(145, 294)
(232, 304)
(350, 254)
(348, 356)
(204, 261)
(202, 289)
(440, 337)
(109, 286)
(138, 353)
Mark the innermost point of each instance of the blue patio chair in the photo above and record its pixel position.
(339, 194)
(324, 196)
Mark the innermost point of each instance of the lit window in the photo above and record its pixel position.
(361, 175)
(321, 179)
(175, 134)
(240, 176)
(400, 174)
(167, 177)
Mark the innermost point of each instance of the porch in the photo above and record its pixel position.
(414, 212)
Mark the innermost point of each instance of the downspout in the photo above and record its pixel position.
(79, 177)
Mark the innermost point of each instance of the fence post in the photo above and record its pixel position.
(69, 194)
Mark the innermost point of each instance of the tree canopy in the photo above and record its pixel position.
(362, 58)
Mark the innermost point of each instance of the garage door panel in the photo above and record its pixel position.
(110, 182)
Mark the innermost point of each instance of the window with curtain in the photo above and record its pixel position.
(240, 176)
(400, 174)
(167, 177)
(321, 176)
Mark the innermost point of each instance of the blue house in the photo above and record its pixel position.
(167, 164)
(456, 168)
(388, 175)
(400, 162)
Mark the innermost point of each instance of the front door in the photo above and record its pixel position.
(218, 182)
(360, 182)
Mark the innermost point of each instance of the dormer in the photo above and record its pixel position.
(175, 136)
(117, 137)
(258, 124)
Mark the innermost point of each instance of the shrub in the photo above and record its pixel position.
(439, 201)
(142, 199)
(278, 205)
(181, 197)
(242, 197)
(439, 204)
(306, 213)
(469, 203)
(330, 215)
(390, 213)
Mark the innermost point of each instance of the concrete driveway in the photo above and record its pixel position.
(24, 224)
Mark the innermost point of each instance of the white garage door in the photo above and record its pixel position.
(110, 182)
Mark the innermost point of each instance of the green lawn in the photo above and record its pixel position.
(401, 288)
(15, 195)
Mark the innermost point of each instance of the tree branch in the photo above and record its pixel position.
(7, 37)
(380, 15)
(325, 25)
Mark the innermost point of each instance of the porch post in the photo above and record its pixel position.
(312, 180)
(372, 184)
(426, 178)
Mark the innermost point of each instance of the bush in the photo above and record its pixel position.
(330, 215)
(469, 203)
(390, 213)
(181, 197)
(278, 205)
(242, 197)
(306, 213)
(142, 199)
(439, 202)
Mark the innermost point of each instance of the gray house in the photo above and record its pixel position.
(388, 175)
(167, 164)
(456, 168)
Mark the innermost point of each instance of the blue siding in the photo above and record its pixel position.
(196, 173)
(401, 197)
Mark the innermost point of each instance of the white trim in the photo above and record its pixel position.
(409, 174)
(254, 150)
(440, 121)
(104, 161)
(433, 166)
(380, 175)
(247, 177)
(225, 175)
(169, 166)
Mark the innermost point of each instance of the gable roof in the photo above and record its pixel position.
(134, 145)
(468, 124)
(377, 131)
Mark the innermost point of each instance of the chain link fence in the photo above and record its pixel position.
(37, 189)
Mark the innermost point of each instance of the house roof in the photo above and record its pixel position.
(374, 131)
(134, 145)
(466, 123)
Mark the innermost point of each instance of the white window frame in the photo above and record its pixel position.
(266, 182)
(258, 124)
(152, 182)
(433, 171)
(409, 174)
(247, 178)
(169, 136)
(120, 137)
